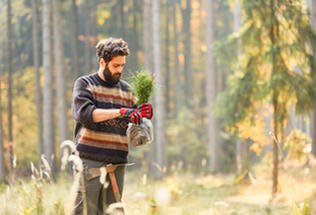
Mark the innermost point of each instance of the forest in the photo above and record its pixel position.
(234, 118)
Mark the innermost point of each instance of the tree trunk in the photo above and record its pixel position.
(147, 37)
(242, 158)
(93, 34)
(160, 136)
(314, 132)
(275, 170)
(10, 83)
(87, 29)
(241, 146)
(122, 25)
(60, 75)
(74, 41)
(186, 29)
(147, 50)
(211, 87)
(178, 86)
(49, 148)
(167, 62)
(275, 97)
(134, 12)
(37, 76)
(135, 33)
(245, 156)
(2, 160)
(313, 12)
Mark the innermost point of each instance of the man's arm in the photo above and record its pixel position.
(82, 104)
(85, 111)
(100, 115)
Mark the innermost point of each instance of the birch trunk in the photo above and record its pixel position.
(159, 128)
(211, 88)
(60, 75)
(49, 148)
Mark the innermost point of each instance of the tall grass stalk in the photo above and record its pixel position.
(79, 183)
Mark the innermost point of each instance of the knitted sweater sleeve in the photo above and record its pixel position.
(82, 103)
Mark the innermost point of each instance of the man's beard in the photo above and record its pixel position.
(112, 79)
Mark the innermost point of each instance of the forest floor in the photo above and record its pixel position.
(180, 193)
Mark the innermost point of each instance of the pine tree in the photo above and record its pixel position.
(276, 66)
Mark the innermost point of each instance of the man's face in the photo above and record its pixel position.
(113, 69)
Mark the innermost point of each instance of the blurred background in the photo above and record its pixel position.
(234, 89)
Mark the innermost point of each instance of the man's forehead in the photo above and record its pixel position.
(118, 60)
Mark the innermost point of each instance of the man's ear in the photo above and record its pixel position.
(102, 63)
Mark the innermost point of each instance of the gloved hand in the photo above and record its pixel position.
(134, 115)
(146, 110)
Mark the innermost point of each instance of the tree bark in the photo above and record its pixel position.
(275, 170)
(178, 86)
(160, 136)
(313, 12)
(167, 62)
(314, 132)
(122, 27)
(241, 149)
(275, 97)
(60, 75)
(74, 41)
(186, 29)
(36, 60)
(87, 29)
(147, 37)
(136, 7)
(133, 12)
(2, 160)
(211, 87)
(147, 50)
(10, 85)
(49, 148)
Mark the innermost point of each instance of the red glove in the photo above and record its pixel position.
(134, 115)
(146, 110)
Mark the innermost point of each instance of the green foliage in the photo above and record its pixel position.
(142, 86)
(297, 144)
(277, 63)
(302, 209)
(153, 207)
(102, 14)
(59, 208)
(24, 115)
(185, 143)
(242, 178)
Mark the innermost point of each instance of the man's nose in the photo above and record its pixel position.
(119, 70)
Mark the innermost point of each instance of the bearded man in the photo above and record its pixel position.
(103, 105)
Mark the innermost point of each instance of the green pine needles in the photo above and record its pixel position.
(142, 85)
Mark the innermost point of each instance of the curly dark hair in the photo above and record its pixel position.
(111, 47)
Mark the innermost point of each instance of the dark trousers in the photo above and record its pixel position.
(94, 190)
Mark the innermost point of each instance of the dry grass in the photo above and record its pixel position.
(181, 193)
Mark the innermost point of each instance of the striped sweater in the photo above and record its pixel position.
(104, 141)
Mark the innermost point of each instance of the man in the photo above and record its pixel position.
(102, 108)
